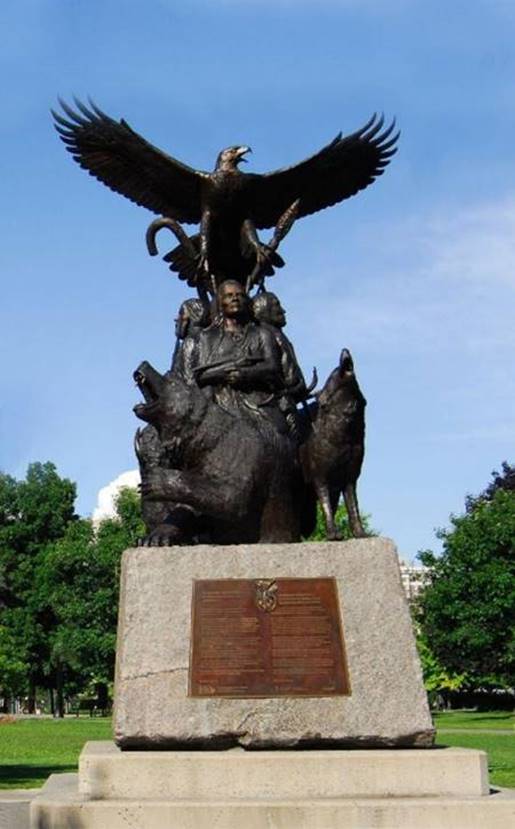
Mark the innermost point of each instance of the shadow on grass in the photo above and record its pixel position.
(27, 776)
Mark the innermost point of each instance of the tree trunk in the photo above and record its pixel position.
(101, 691)
(51, 700)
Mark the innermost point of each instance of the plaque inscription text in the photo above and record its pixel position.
(267, 638)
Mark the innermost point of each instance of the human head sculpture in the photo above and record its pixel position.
(193, 313)
(267, 307)
(231, 300)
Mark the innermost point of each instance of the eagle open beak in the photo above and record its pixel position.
(243, 151)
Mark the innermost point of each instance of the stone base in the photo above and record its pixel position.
(15, 807)
(387, 704)
(275, 790)
(233, 775)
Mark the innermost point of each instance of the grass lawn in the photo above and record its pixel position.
(499, 747)
(472, 719)
(32, 749)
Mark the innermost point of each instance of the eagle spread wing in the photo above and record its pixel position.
(336, 172)
(116, 155)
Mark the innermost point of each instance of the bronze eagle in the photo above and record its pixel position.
(228, 204)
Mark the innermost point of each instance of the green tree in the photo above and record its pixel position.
(13, 670)
(436, 678)
(500, 480)
(467, 612)
(78, 586)
(34, 512)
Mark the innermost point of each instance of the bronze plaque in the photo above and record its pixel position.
(267, 638)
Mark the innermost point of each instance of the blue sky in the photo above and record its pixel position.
(415, 275)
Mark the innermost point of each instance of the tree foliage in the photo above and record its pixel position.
(59, 578)
(467, 613)
(436, 678)
(342, 522)
(34, 512)
(79, 580)
(13, 670)
(500, 480)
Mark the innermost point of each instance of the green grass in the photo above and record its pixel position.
(472, 719)
(499, 747)
(32, 749)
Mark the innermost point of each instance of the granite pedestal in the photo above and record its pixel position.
(387, 704)
(359, 758)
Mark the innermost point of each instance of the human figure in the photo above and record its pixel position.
(229, 419)
(238, 358)
(267, 308)
(193, 316)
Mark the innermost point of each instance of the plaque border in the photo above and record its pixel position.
(321, 695)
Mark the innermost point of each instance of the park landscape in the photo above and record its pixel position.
(247, 594)
(73, 600)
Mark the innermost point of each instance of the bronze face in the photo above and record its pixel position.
(232, 299)
(277, 314)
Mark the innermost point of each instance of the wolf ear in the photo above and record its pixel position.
(346, 363)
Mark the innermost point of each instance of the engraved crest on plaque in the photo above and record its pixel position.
(266, 594)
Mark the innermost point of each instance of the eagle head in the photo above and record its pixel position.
(229, 158)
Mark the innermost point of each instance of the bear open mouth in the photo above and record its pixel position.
(150, 394)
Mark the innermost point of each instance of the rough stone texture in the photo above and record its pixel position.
(105, 772)
(387, 706)
(59, 806)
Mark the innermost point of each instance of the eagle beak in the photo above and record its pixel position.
(243, 151)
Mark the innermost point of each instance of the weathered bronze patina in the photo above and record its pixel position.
(233, 452)
(267, 638)
(228, 204)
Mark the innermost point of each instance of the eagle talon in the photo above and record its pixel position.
(263, 254)
(203, 265)
(229, 205)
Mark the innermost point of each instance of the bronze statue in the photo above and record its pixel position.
(227, 455)
(193, 316)
(332, 454)
(238, 360)
(228, 204)
(232, 451)
(267, 308)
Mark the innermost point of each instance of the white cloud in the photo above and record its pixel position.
(105, 507)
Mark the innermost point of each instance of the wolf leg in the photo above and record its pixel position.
(324, 498)
(351, 502)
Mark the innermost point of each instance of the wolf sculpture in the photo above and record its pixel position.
(210, 477)
(332, 454)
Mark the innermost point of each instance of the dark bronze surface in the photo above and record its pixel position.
(220, 444)
(232, 452)
(228, 204)
(267, 638)
(333, 450)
